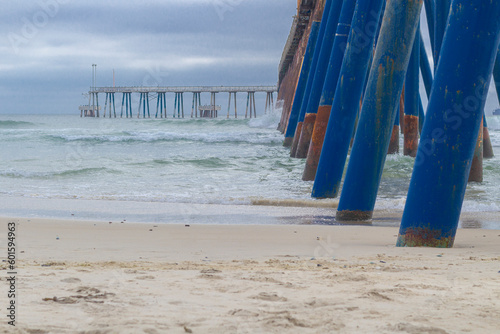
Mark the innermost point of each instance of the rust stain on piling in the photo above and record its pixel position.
(394, 144)
(318, 137)
(424, 237)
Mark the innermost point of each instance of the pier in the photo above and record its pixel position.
(159, 94)
(350, 79)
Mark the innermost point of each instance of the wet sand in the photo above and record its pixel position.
(97, 277)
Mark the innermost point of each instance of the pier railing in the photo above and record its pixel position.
(186, 89)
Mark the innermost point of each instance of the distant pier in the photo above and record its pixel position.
(147, 94)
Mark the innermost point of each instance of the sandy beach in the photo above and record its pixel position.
(102, 277)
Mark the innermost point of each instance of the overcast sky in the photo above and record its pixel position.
(48, 46)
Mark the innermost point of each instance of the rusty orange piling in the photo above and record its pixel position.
(411, 135)
(295, 142)
(305, 136)
(316, 145)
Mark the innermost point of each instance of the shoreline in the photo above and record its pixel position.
(259, 212)
(153, 278)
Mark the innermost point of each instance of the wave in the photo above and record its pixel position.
(268, 121)
(15, 124)
(142, 137)
(212, 162)
(70, 173)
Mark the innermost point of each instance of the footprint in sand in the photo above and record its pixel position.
(71, 280)
(413, 329)
(146, 277)
(270, 297)
(377, 296)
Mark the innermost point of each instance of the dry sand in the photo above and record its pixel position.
(97, 277)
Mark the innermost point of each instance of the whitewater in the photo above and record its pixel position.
(60, 166)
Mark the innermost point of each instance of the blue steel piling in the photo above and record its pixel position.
(329, 62)
(320, 21)
(440, 18)
(129, 101)
(496, 74)
(412, 99)
(140, 104)
(301, 85)
(421, 115)
(425, 68)
(430, 13)
(321, 116)
(378, 113)
(114, 106)
(451, 128)
(329, 17)
(341, 113)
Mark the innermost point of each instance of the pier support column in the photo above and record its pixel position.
(394, 143)
(452, 123)
(425, 68)
(182, 105)
(123, 104)
(97, 105)
(248, 104)
(161, 105)
(330, 19)
(311, 141)
(430, 11)
(106, 106)
(476, 170)
(341, 109)
(193, 106)
(329, 63)
(379, 109)
(487, 147)
(114, 106)
(307, 70)
(196, 104)
(440, 19)
(254, 106)
(165, 104)
(199, 104)
(267, 104)
(212, 105)
(179, 105)
(140, 106)
(412, 96)
(129, 104)
(158, 99)
(251, 105)
(496, 74)
(235, 107)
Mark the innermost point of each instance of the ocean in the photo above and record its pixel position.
(229, 171)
